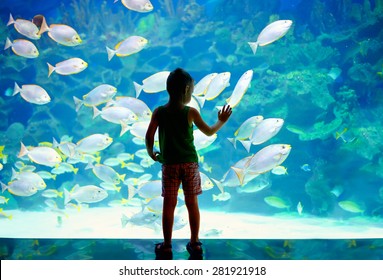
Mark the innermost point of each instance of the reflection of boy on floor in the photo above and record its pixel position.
(178, 155)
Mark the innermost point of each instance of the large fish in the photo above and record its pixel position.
(263, 161)
(271, 33)
(85, 194)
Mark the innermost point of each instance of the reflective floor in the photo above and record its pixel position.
(214, 249)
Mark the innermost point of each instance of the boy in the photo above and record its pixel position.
(178, 155)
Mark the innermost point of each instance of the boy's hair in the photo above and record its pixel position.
(177, 82)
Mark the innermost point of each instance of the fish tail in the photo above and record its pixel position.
(78, 103)
(44, 27)
(16, 89)
(138, 89)
(131, 192)
(240, 174)
(11, 20)
(50, 69)
(3, 187)
(219, 185)
(115, 1)
(124, 220)
(111, 53)
(201, 100)
(23, 150)
(233, 141)
(8, 44)
(124, 128)
(246, 145)
(96, 112)
(67, 196)
(253, 46)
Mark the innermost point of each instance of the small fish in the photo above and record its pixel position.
(132, 166)
(22, 48)
(94, 143)
(271, 33)
(129, 46)
(141, 6)
(138, 107)
(25, 27)
(351, 206)
(32, 94)
(106, 173)
(150, 189)
(152, 84)
(3, 157)
(222, 196)
(3, 200)
(267, 129)
(276, 202)
(240, 89)
(217, 85)
(206, 183)
(97, 96)
(279, 170)
(19, 188)
(245, 130)
(201, 87)
(41, 155)
(51, 193)
(68, 67)
(117, 115)
(5, 215)
(299, 208)
(61, 33)
(33, 178)
(306, 167)
(85, 194)
(64, 167)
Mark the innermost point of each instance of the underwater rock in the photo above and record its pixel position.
(15, 132)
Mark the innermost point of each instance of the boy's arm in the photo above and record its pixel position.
(223, 116)
(149, 137)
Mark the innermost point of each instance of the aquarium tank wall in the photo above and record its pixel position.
(300, 157)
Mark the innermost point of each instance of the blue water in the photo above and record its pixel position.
(333, 123)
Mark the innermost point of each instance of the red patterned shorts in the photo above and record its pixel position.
(175, 174)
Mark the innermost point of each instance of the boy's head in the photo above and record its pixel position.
(179, 83)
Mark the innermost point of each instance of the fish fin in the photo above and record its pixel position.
(124, 128)
(246, 145)
(219, 185)
(11, 20)
(16, 89)
(44, 27)
(96, 112)
(3, 187)
(200, 100)
(233, 141)
(253, 46)
(111, 53)
(67, 196)
(124, 220)
(8, 44)
(50, 69)
(138, 88)
(78, 103)
(240, 174)
(23, 150)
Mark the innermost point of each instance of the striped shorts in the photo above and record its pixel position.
(175, 174)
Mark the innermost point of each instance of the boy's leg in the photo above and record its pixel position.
(191, 202)
(169, 206)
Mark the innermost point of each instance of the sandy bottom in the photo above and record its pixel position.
(106, 223)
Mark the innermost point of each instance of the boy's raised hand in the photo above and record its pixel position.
(225, 113)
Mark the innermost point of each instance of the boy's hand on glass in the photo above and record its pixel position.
(225, 113)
